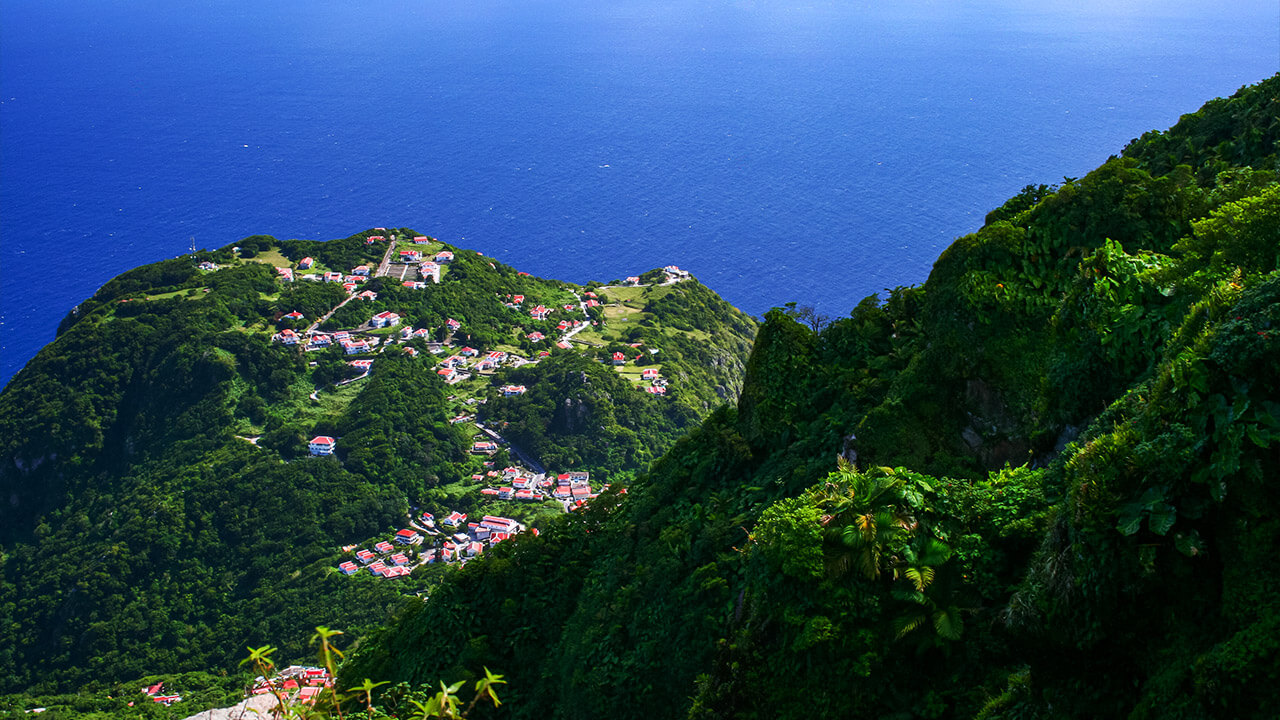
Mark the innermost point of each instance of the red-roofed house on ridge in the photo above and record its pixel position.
(322, 445)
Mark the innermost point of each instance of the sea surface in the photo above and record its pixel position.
(781, 150)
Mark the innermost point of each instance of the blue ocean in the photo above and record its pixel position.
(781, 150)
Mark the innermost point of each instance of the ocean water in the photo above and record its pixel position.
(779, 149)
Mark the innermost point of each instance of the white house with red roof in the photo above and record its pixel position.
(444, 256)
(509, 390)
(383, 547)
(564, 345)
(405, 536)
(619, 358)
(430, 270)
(354, 347)
(295, 315)
(360, 270)
(306, 263)
(320, 340)
(447, 374)
(348, 568)
(365, 556)
(536, 336)
(322, 445)
(361, 364)
(517, 299)
(455, 519)
(633, 280)
(385, 318)
(649, 374)
(410, 256)
(421, 240)
(467, 351)
(286, 337)
(539, 313)
(333, 276)
(452, 324)
(285, 274)
(656, 390)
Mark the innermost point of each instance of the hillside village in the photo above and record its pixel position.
(420, 263)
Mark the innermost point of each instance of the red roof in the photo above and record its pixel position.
(322, 440)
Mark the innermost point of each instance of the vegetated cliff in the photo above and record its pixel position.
(160, 510)
(1052, 496)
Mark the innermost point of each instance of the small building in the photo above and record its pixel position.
(649, 374)
(410, 256)
(348, 568)
(383, 547)
(619, 358)
(539, 313)
(430, 270)
(285, 274)
(452, 324)
(633, 280)
(510, 390)
(455, 519)
(536, 336)
(333, 276)
(385, 318)
(295, 315)
(362, 270)
(406, 536)
(444, 256)
(322, 445)
(421, 240)
(306, 263)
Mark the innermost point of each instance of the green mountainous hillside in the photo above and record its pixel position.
(164, 507)
(1036, 486)
(1039, 485)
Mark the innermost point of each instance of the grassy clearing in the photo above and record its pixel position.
(271, 257)
(188, 293)
(300, 409)
(625, 294)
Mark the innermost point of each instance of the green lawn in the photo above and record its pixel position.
(271, 257)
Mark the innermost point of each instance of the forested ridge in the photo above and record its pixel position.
(161, 509)
(1036, 486)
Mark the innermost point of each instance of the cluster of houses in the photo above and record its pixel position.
(657, 384)
(298, 683)
(384, 560)
(573, 488)
(460, 541)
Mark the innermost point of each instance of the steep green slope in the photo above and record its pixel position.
(161, 508)
(1052, 500)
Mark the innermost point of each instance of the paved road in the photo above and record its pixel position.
(385, 266)
(515, 450)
